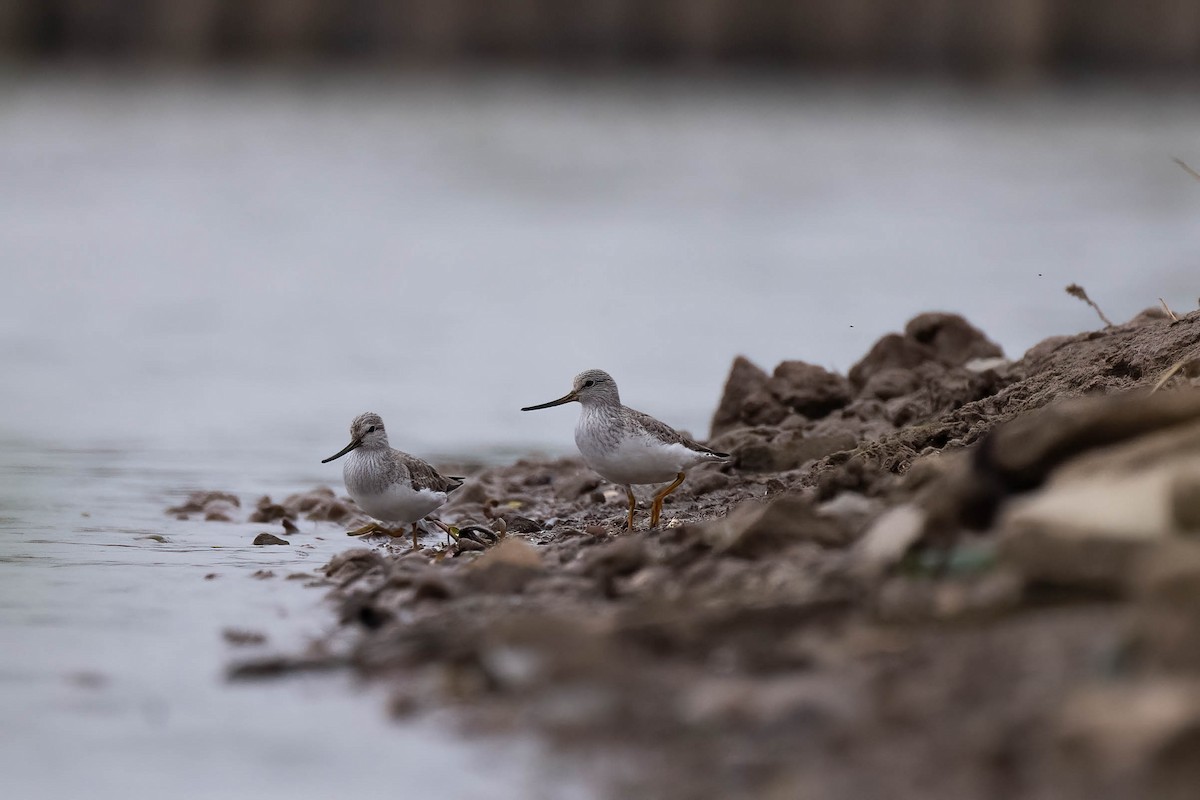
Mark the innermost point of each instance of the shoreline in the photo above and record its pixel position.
(936, 576)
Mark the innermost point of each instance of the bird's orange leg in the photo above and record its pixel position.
(414, 533)
(656, 508)
(632, 505)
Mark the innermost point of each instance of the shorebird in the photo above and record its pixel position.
(391, 486)
(626, 446)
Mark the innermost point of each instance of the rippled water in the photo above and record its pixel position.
(205, 279)
(113, 661)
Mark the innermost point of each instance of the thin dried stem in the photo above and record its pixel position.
(1186, 168)
(1077, 291)
(1170, 373)
(1167, 309)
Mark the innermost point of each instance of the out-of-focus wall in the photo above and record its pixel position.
(949, 35)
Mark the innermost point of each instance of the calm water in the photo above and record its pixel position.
(204, 280)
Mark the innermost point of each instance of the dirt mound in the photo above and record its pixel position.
(939, 576)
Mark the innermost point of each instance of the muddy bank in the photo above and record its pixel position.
(943, 575)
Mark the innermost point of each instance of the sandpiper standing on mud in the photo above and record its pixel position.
(391, 486)
(626, 446)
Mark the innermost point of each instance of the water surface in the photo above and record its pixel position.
(206, 278)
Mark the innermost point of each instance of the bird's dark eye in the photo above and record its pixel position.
(589, 383)
(371, 429)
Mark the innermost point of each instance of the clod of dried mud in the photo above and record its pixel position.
(898, 589)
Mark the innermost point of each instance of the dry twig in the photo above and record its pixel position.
(1075, 290)
(1186, 168)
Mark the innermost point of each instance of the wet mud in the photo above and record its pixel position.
(945, 574)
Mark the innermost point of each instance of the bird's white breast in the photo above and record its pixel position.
(386, 501)
(635, 458)
(399, 503)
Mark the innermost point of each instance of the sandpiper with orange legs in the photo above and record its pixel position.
(626, 446)
(388, 484)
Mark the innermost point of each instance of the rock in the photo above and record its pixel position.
(620, 557)
(198, 501)
(1100, 511)
(808, 389)
(851, 509)
(889, 539)
(289, 527)
(220, 510)
(764, 449)
(947, 339)
(704, 482)
(473, 491)
(351, 564)
(745, 379)
(1083, 535)
(889, 383)
(269, 538)
(754, 529)
(519, 524)
(505, 568)
(575, 486)
(791, 449)
(987, 364)
(320, 505)
(237, 636)
(1166, 588)
(514, 551)
(1024, 451)
(266, 511)
(1133, 740)
(953, 339)
(1149, 316)
(750, 448)
(892, 352)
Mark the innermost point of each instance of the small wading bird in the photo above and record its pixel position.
(626, 446)
(391, 486)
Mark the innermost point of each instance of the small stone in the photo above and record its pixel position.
(756, 529)
(219, 510)
(269, 538)
(577, 486)
(236, 636)
(505, 568)
(622, 556)
(513, 551)
(351, 564)
(196, 502)
(266, 511)
(519, 524)
(888, 540)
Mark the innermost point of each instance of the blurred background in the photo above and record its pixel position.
(229, 226)
(232, 224)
